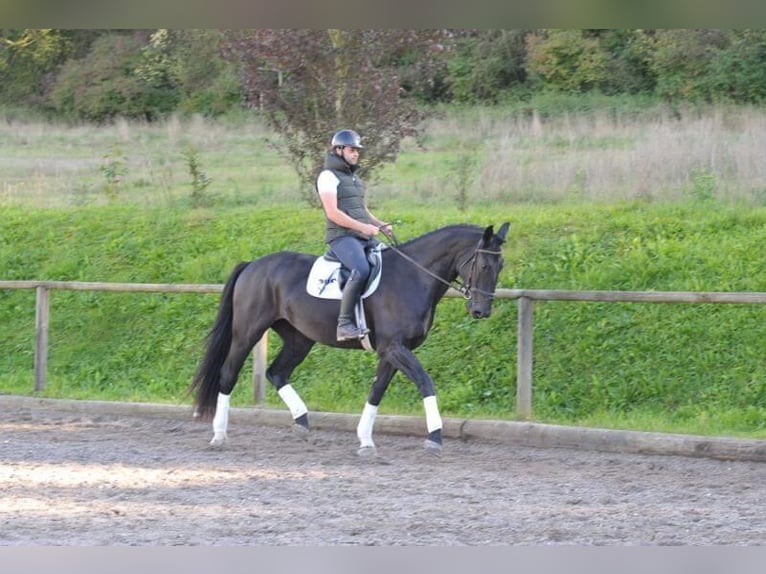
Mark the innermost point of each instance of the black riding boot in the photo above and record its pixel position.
(347, 327)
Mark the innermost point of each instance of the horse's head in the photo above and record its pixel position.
(480, 273)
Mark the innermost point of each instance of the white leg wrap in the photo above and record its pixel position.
(221, 419)
(433, 418)
(366, 422)
(293, 401)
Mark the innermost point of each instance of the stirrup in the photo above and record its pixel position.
(349, 331)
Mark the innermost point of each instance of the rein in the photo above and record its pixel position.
(464, 290)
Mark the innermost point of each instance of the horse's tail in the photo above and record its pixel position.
(205, 385)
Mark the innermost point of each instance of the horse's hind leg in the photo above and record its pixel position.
(229, 372)
(244, 337)
(295, 348)
(383, 376)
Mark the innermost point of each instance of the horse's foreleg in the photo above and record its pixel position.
(295, 404)
(383, 376)
(405, 360)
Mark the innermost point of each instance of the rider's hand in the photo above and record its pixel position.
(387, 229)
(371, 230)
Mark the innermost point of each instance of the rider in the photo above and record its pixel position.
(350, 225)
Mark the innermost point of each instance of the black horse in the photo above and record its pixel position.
(270, 292)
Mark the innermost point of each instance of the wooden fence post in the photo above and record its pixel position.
(260, 358)
(524, 361)
(42, 313)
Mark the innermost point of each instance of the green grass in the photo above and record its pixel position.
(660, 222)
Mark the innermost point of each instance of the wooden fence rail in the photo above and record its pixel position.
(525, 298)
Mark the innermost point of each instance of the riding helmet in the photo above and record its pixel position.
(347, 138)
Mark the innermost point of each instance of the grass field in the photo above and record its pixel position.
(465, 157)
(615, 201)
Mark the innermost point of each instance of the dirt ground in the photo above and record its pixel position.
(74, 479)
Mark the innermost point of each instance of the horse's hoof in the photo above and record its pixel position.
(218, 440)
(432, 447)
(301, 432)
(367, 452)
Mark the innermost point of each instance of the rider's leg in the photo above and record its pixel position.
(347, 327)
(350, 251)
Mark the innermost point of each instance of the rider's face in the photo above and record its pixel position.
(350, 154)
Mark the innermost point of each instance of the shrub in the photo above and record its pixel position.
(567, 60)
(104, 84)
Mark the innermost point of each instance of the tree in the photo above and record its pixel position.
(570, 61)
(108, 82)
(737, 72)
(29, 59)
(190, 62)
(310, 83)
(486, 63)
(628, 54)
(682, 60)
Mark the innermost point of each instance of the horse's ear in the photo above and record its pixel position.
(503, 231)
(488, 233)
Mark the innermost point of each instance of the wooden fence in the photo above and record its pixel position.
(525, 298)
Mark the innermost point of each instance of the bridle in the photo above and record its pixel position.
(466, 289)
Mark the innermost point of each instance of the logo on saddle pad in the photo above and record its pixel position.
(326, 276)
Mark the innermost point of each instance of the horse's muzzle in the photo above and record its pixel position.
(479, 310)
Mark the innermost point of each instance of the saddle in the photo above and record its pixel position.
(327, 276)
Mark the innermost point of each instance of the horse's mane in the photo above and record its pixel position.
(454, 228)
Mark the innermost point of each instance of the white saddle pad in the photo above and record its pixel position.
(324, 279)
